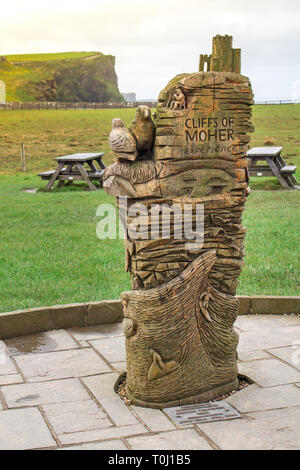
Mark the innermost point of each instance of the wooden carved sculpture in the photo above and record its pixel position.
(180, 341)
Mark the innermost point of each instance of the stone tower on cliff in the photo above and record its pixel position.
(223, 57)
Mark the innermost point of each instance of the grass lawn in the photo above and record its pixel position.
(50, 133)
(279, 125)
(49, 252)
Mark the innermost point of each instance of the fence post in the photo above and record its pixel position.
(23, 157)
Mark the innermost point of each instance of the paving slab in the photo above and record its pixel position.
(289, 354)
(269, 372)
(56, 391)
(55, 340)
(119, 366)
(156, 420)
(266, 338)
(105, 445)
(186, 439)
(11, 379)
(96, 331)
(254, 398)
(103, 389)
(7, 366)
(257, 322)
(61, 364)
(262, 430)
(103, 434)
(113, 349)
(67, 378)
(24, 429)
(66, 418)
(253, 355)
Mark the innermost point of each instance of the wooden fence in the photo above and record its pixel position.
(58, 105)
(278, 102)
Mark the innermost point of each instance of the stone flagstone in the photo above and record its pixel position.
(254, 398)
(103, 434)
(24, 429)
(97, 331)
(10, 379)
(154, 419)
(268, 372)
(263, 430)
(119, 366)
(55, 340)
(102, 389)
(187, 439)
(76, 416)
(289, 354)
(253, 355)
(61, 364)
(6, 365)
(248, 323)
(267, 338)
(56, 391)
(113, 349)
(86, 414)
(105, 445)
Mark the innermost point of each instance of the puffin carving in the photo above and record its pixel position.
(143, 129)
(138, 140)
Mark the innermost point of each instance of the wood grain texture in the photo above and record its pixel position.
(180, 344)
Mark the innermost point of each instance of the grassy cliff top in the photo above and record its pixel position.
(60, 76)
(41, 57)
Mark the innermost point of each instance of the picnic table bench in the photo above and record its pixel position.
(75, 170)
(275, 166)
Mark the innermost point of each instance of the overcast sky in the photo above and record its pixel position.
(155, 40)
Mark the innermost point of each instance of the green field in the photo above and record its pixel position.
(49, 56)
(49, 252)
(49, 133)
(280, 126)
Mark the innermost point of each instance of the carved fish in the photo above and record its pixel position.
(159, 368)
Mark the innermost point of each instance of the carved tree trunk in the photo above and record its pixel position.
(175, 355)
(180, 342)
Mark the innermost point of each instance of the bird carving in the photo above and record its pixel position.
(122, 142)
(138, 140)
(143, 129)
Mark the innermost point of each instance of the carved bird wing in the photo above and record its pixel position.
(121, 141)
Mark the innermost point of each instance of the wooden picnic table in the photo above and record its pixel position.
(75, 170)
(275, 166)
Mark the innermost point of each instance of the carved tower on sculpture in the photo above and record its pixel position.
(223, 57)
(189, 169)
